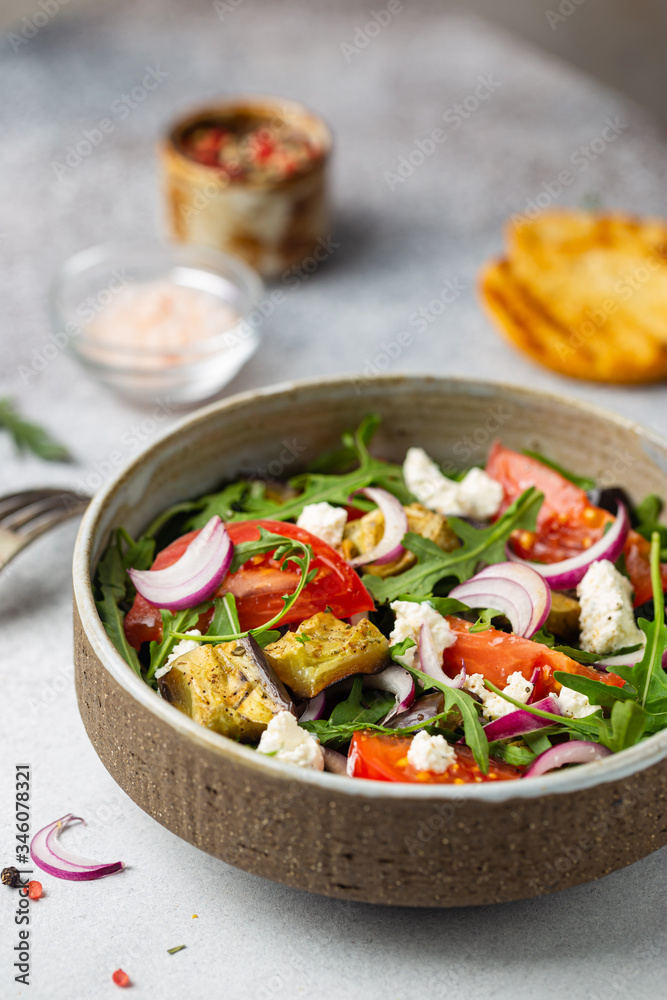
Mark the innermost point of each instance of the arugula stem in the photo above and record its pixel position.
(659, 609)
(560, 719)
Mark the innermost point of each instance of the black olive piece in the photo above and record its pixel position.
(609, 498)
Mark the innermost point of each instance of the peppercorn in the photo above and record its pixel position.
(10, 876)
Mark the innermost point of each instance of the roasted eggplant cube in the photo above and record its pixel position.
(363, 535)
(324, 650)
(229, 688)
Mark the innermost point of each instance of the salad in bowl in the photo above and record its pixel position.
(401, 622)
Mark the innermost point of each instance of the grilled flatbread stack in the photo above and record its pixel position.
(584, 294)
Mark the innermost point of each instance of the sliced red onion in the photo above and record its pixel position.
(195, 576)
(395, 526)
(430, 663)
(574, 752)
(48, 854)
(334, 761)
(359, 617)
(314, 709)
(569, 572)
(398, 682)
(520, 722)
(535, 586)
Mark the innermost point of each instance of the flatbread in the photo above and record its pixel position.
(604, 350)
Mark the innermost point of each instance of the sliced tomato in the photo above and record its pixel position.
(259, 585)
(568, 522)
(496, 655)
(385, 758)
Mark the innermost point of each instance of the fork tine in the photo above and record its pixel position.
(46, 521)
(21, 516)
(16, 501)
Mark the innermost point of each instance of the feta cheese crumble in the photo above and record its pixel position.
(430, 753)
(477, 495)
(575, 705)
(325, 521)
(606, 620)
(410, 617)
(493, 706)
(182, 647)
(284, 739)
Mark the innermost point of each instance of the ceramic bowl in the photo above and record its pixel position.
(362, 840)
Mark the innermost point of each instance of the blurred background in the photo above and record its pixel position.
(619, 41)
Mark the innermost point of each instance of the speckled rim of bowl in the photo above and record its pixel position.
(614, 768)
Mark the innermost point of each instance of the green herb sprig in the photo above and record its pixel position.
(285, 551)
(29, 437)
(434, 565)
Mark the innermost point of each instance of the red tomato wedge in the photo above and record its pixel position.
(259, 585)
(385, 758)
(568, 522)
(496, 655)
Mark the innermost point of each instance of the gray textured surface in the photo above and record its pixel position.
(397, 250)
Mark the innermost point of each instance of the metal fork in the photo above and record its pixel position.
(27, 515)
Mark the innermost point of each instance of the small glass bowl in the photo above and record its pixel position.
(89, 282)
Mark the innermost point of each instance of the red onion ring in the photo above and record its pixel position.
(395, 526)
(314, 709)
(398, 682)
(429, 662)
(520, 722)
(334, 761)
(535, 586)
(569, 572)
(51, 857)
(194, 577)
(574, 752)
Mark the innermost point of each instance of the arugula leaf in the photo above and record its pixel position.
(626, 726)
(316, 487)
(174, 626)
(236, 502)
(443, 605)
(583, 482)
(284, 549)
(473, 729)
(360, 710)
(648, 513)
(512, 753)
(138, 555)
(597, 692)
(628, 722)
(111, 587)
(401, 648)
(225, 616)
(478, 544)
(583, 656)
(263, 639)
(545, 637)
(538, 741)
(648, 676)
(361, 707)
(483, 623)
(341, 460)
(31, 437)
